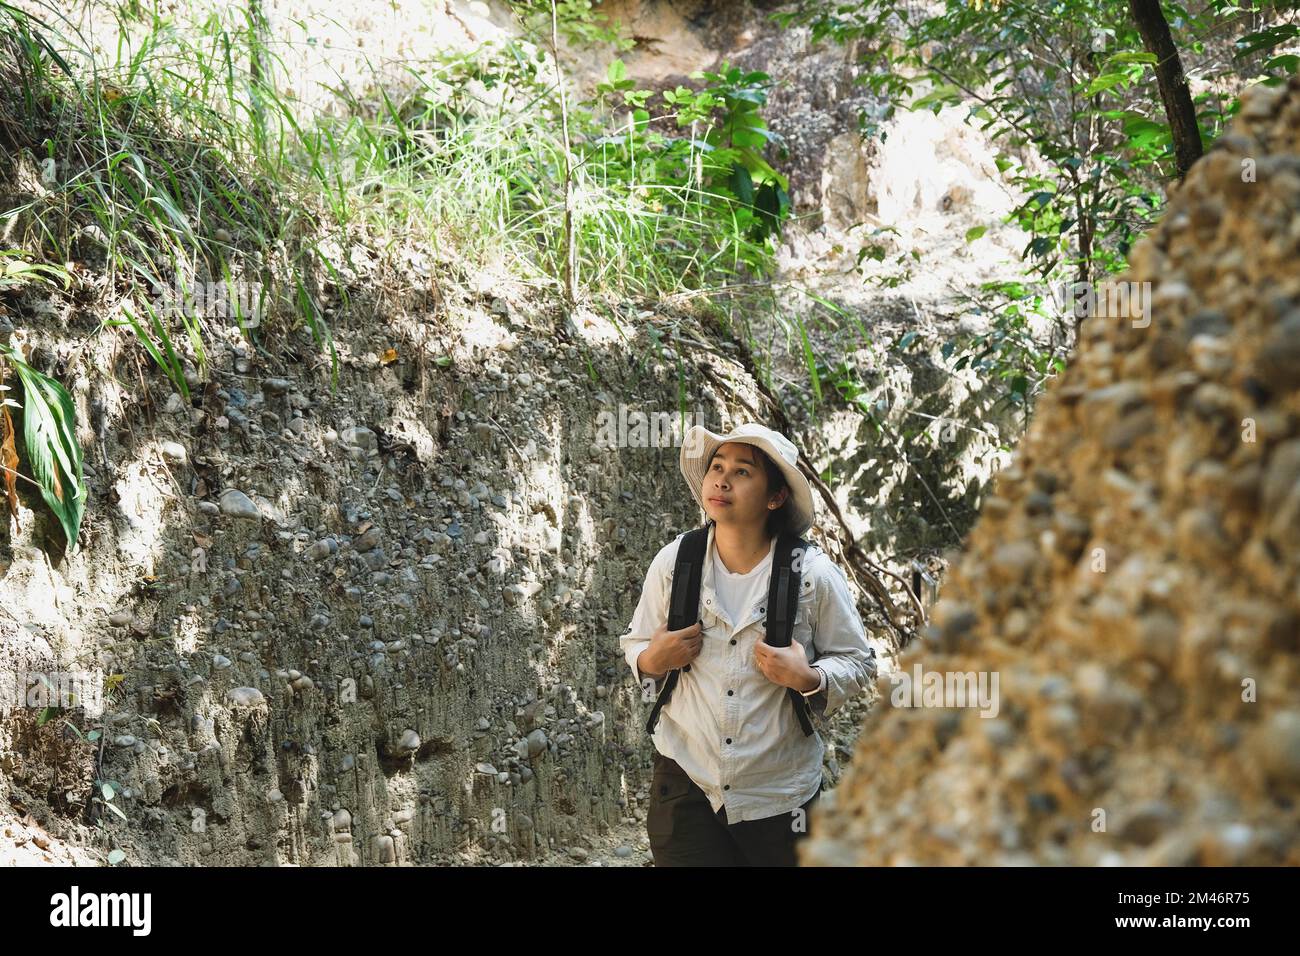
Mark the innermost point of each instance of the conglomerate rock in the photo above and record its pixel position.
(1133, 582)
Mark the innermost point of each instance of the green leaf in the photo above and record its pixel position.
(1105, 82)
(944, 94)
(116, 857)
(107, 790)
(974, 232)
(1266, 39)
(53, 452)
(751, 137)
(810, 360)
(1131, 58)
(15, 271)
(742, 184)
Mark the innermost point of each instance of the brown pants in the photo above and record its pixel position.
(685, 831)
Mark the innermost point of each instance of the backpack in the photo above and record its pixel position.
(782, 604)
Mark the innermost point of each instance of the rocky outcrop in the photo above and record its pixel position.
(371, 625)
(1135, 580)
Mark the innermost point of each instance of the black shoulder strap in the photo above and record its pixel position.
(783, 606)
(783, 588)
(782, 603)
(684, 603)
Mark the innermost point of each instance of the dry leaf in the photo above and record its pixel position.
(389, 357)
(365, 526)
(202, 540)
(9, 457)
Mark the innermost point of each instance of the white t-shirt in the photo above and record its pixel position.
(737, 593)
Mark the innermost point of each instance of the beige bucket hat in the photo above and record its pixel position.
(699, 444)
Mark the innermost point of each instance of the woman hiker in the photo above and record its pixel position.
(735, 775)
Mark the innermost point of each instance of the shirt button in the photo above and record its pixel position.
(733, 640)
(728, 740)
(726, 786)
(730, 692)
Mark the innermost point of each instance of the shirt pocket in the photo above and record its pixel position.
(714, 631)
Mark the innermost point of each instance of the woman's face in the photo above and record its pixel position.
(735, 487)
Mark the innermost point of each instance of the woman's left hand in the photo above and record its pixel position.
(787, 666)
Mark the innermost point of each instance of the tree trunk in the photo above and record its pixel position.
(1177, 97)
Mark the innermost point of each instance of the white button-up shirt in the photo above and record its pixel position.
(733, 731)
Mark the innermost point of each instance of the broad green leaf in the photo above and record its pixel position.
(1105, 82)
(53, 452)
(1266, 39)
(742, 184)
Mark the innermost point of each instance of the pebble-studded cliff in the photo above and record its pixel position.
(1135, 579)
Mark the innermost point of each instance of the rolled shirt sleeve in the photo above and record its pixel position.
(845, 658)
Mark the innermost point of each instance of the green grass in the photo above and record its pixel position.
(178, 157)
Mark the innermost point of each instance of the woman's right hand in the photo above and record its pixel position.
(670, 650)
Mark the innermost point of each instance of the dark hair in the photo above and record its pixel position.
(779, 518)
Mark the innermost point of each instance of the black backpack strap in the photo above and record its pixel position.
(783, 607)
(684, 604)
(782, 602)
